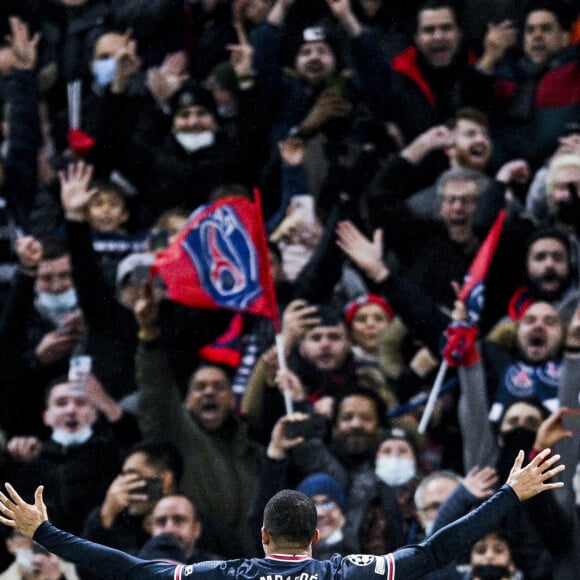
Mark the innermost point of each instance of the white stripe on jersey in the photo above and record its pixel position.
(177, 572)
(390, 567)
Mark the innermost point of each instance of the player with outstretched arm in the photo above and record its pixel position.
(288, 533)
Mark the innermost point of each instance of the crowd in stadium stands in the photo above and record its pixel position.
(384, 139)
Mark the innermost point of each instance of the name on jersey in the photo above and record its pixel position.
(303, 576)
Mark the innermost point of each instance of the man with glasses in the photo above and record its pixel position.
(438, 250)
(430, 495)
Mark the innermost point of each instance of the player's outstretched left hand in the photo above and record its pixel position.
(532, 479)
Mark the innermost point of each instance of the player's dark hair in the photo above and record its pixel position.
(290, 519)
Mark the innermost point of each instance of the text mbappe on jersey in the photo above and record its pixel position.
(303, 576)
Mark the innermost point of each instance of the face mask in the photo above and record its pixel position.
(191, 142)
(104, 71)
(395, 470)
(55, 306)
(511, 442)
(335, 537)
(516, 439)
(24, 559)
(490, 572)
(66, 438)
(428, 527)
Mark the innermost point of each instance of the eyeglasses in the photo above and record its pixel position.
(463, 200)
(432, 507)
(326, 506)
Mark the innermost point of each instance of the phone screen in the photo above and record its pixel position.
(571, 421)
(303, 206)
(153, 488)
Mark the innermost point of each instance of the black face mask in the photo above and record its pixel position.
(511, 443)
(490, 572)
(568, 212)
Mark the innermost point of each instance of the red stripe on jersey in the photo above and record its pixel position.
(390, 567)
(289, 557)
(177, 572)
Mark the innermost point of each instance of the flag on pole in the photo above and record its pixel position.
(227, 348)
(220, 260)
(460, 349)
(79, 141)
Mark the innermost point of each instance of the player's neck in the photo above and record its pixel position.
(289, 556)
(293, 551)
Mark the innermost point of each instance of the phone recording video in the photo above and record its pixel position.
(311, 428)
(153, 488)
(571, 420)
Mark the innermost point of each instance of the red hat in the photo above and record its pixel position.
(354, 305)
(519, 303)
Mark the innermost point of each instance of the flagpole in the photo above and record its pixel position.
(283, 366)
(429, 408)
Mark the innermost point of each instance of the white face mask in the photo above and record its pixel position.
(335, 537)
(66, 438)
(395, 470)
(55, 306)
(104, 71)
(428, 527)
(191, 142)
(24, 559)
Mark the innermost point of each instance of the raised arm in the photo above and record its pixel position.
(31, 520)
(412, 305)
(21, 162)
(523, 483)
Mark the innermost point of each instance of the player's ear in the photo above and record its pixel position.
(265, 536)
(315, 536)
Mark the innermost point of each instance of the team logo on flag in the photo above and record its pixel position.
(220, 260)
(225, 258)
(475, 299)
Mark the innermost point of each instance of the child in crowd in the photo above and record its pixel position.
(107, 212)
(167, 227)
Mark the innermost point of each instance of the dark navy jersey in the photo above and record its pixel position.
(403, 564)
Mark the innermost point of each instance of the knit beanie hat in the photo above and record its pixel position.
(322, 484)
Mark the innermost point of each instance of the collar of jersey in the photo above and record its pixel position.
(289, 557)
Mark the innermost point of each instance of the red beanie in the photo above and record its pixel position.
(353, 306)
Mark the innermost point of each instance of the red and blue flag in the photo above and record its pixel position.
(220, 260)
(460, 348)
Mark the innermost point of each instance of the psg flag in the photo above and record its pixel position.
(460, 349)
(220, 260)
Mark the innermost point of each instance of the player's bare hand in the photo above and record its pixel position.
(533, 479)
(23, 517)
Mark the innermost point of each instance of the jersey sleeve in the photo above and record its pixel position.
(454, 539)
(101, 560)
(365, 567)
